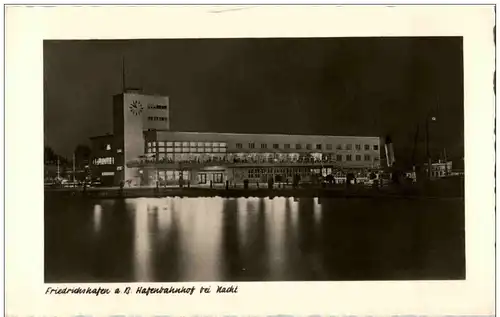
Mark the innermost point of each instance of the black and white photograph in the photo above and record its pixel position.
(254, 159)
(250, 160)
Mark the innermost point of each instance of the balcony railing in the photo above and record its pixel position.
(242, 162)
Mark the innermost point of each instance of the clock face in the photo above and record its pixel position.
(136, 107)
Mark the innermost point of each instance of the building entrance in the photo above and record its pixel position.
(207, 177)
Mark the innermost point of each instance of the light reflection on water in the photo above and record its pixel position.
(211, 239)
(97, 218)
(275, 216)
(243, 210)
(317, 211)
(200, 239)
(142, 243)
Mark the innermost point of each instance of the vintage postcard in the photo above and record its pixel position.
(250, 160)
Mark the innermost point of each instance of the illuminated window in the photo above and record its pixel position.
(185, 144)
(223, 149)
(161, 143)
(318, 146)
(119, 168)
(367, 147)
(192, 149)
(287, 146)
(375, 147)
(358, 157)
(161, 149)
(108, 147)
(170, 149)
(298, 146)
(251, 145)
(348, 147)
(216, 149)
(170, 143)
(339, 147)
(348, 157)
(200, 143)
(367, 157)
(328, 146)
(149, 144)
(192, 143)
(215, 144)
(118, 150)
(222, 144)
(358, 147)
(178, 143)
(200, 150)
(208, 144)
(339, 158)
(263, 146)
(239, 145)
(276, 146)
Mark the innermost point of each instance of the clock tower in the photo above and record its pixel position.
(134, 113)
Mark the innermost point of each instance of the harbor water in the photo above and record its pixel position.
(175, 239)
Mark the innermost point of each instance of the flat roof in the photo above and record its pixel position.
(263, 134)
(243, 134)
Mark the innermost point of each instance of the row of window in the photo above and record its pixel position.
(172, 175)
(309, 146)
(188, 150)
(338, 157)
(186, 144)
(358, 147)
(157, 119)
(186, 147)
(286, 172)
(348, 157)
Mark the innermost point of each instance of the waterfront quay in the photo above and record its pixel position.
(435, 189)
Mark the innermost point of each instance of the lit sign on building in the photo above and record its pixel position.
(153, 106)
(104, 161)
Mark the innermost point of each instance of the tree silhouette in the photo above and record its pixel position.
(49, 155)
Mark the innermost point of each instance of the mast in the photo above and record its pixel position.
(445, 163)
(58, 173)
(415, 140)
(73, 167)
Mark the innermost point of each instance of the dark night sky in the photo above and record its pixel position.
(336, 86)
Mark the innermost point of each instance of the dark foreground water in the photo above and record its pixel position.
(252, 239)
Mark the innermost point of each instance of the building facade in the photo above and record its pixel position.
(103, 155)
(440, 169)
(147, 153)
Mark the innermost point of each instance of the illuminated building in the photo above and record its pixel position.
(103, 159)
(440, 169)
(146, 151)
